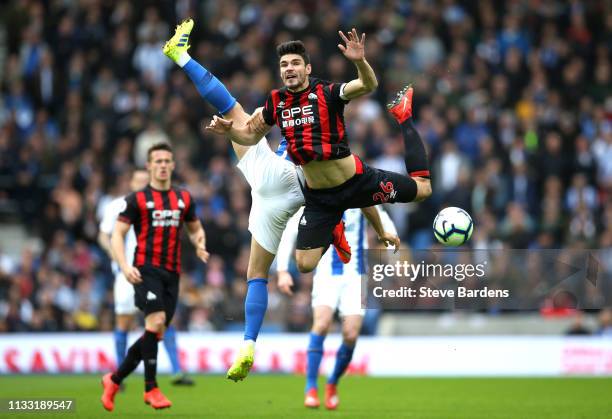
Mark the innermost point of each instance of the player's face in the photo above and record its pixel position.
(161, 165)
(140, 179)
(294, 71)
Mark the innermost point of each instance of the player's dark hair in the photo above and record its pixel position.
(158, 146)
(293, 47)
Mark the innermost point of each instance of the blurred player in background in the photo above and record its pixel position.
(123, 291)
(335, 287)
(157, 213)
(275, 189)
(309, 113)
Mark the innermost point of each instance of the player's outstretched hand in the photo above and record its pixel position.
(202, 254)
(132, 274)
(285, 282)
(389, 239)
(355, 47)
(257, 122)
(219, 125)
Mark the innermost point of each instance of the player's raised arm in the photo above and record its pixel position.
(354, 50)
(386, 233)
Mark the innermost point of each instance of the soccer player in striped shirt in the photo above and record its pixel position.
(157, 214)
(123, 291)
(309, 113)
(336, 286)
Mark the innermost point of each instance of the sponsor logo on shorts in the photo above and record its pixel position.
(388, 192)
(303, 221)
(151, 296)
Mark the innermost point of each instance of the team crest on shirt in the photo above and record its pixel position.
(150, 204)
(181, 204)
(280, 105)
(312, 96)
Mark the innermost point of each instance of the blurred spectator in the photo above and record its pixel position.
(578, 328)
(605, 322)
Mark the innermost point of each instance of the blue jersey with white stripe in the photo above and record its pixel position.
(355, 231)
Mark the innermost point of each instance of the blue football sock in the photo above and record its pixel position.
(171, 348)
(315, 355)
(343, 359)
(210, 87)
(255, 305)
(120, 345)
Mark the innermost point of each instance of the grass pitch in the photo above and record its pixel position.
(279, 396)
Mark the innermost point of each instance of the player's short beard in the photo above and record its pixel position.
(299, 82)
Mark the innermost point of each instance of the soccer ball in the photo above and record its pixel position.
(453, 226)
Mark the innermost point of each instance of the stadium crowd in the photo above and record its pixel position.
(513, 98)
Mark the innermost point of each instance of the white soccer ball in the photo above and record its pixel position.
(453, 226)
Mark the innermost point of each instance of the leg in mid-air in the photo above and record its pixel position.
(255, 162)
(209, 87)
(369, 186)
(308, 258)
(415, 155)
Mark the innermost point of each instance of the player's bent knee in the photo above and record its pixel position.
(156, 322)
(306, 263)
(423, 189)
(123, 322)
(320, 327)
(306, 266)
(350, 337)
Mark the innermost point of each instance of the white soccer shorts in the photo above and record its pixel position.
(341, 292)
(275, 190)
(123, 293)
